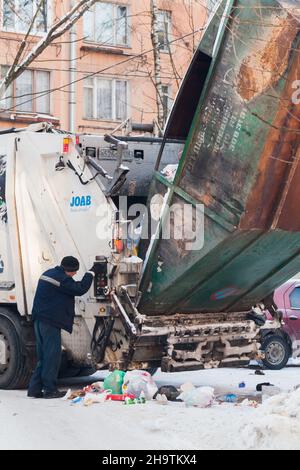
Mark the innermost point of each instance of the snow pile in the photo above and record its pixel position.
(276, 425)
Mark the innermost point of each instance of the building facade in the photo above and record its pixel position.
(100, 75)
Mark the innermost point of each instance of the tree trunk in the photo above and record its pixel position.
(157, 62)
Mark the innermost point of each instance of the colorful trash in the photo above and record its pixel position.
(114, 382)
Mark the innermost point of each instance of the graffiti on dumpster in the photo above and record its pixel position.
(231, 291)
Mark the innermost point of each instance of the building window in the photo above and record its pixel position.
(164, 29)
(107, 23)
(167, 100)
(18, 15)
(23, 94)
(105, 99)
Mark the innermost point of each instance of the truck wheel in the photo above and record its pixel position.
(14, 373)
(277, 352)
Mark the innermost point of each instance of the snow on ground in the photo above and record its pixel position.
(55, 424)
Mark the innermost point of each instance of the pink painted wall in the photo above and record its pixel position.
(137, 71)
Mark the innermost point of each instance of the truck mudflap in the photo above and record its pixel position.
(186, 342)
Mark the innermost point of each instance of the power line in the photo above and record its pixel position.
(93, 74)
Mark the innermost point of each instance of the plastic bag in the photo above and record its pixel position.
(93, 398)
(201, 397)
(168, 391)
(161, 399)
(138, 381)
(114, 382)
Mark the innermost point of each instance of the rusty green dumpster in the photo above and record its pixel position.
(238, 114)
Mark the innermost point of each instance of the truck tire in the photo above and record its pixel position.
(277, 352)
(14, 371)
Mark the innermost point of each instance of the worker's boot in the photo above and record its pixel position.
(35, 395)
(54, 395)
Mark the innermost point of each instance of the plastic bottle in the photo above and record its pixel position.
(77, 400)
(229, 398)
(135, 401)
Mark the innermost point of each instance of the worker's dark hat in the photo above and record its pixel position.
(70, 264)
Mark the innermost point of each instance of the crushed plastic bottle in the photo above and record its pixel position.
(135, 401)
(229, 398)
(77, 400)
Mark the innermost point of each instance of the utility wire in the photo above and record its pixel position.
(93, 74)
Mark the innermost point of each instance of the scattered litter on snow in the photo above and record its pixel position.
(134, 388)
(96, 393)
(242, 425)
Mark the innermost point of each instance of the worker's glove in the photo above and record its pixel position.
(93, 269)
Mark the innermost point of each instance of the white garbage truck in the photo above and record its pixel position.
(54, 202)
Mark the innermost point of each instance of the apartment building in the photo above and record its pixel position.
(101, 73)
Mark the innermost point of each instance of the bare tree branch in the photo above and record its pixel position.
(57, 30)
(11, 70)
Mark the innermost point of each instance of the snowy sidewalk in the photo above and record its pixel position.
(41, 424)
